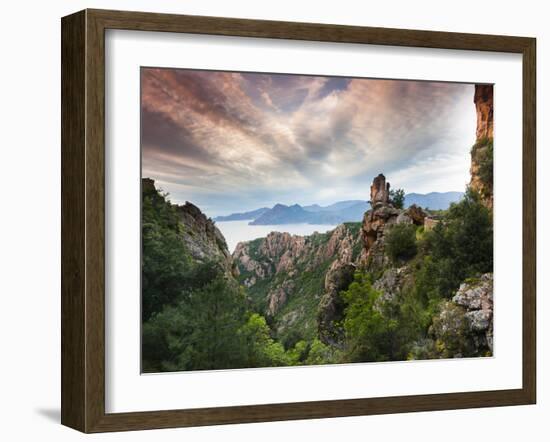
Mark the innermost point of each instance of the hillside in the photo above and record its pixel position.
(285, 276)
(202, 240)
(399, 273)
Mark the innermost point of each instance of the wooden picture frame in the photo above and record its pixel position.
(83, 220)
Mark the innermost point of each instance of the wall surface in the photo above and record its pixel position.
(30, 218)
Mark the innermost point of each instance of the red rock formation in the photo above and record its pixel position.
(483, 99)
(379, 191)
(416, 214)
(482, 152)
(279, 257)
(382, 214)
(375, 221)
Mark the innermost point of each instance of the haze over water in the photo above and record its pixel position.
(238, 231)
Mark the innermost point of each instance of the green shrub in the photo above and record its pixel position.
(400, 242)
(461, 246)
(320, 353)
(298, 354)
(260, 349)
(201, 331)
(397, 198)
(371, 334)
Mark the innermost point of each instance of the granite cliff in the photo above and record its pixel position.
(288, 275)
(481, 169)
(200, 236)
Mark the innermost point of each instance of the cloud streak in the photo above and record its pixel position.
(236, 141)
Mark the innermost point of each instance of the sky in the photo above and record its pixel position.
(231, 142)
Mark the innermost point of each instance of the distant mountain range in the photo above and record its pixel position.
(281, 214)
(337, 213)
(433, 200)
(243, 216)
(334, 214)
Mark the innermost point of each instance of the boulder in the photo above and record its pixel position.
(416, 214)
(403, 218)
(479, 320)
(476, 294)
(465, 324)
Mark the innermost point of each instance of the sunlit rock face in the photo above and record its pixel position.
(481, 169)
(375, 221)
(280, 258)
(379, 191)
(202, 238)
(483, 99)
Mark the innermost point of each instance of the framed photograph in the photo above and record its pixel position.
(267, 221)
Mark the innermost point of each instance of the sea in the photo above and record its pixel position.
(238, 231)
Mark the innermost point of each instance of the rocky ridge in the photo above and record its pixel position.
(202, 239)
(281, 269)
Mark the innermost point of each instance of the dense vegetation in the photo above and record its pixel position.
(308, 286)
(166, 266)
(458, 248)
(401, 242)
(196, 316)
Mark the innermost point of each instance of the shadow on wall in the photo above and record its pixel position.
(51, 414)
